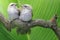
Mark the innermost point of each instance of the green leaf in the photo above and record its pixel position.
(42, 9)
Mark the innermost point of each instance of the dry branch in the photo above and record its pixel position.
(5, 22)
(24, 27)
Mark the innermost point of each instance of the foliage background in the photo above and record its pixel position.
(42, 9)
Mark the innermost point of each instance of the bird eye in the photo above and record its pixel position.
(25, 6)
(12, 4)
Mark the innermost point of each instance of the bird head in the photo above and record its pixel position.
(27, 6)
(12, 5)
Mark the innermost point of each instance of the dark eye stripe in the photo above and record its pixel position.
(25, 6)
(12, 4)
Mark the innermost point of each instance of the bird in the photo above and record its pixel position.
(26, 18)
(26, 13)
(23, 15)
(13, 12)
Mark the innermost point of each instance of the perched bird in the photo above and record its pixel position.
(26, 13)
(25, 17)
(13, 11)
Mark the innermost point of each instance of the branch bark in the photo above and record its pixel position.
(46, 24)
(24, 27)
(5, 22)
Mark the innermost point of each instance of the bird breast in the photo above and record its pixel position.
(26, 15)
(13, 13)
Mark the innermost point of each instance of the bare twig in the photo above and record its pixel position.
(57, 32)
(5, 22)
(24, 27)
(46, 24)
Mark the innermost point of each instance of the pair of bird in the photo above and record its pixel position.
(24, 14)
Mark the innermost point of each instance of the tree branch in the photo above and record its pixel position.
(24, 27)
(46, 24)
(5, 22)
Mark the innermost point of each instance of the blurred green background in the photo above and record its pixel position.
(42, 9)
